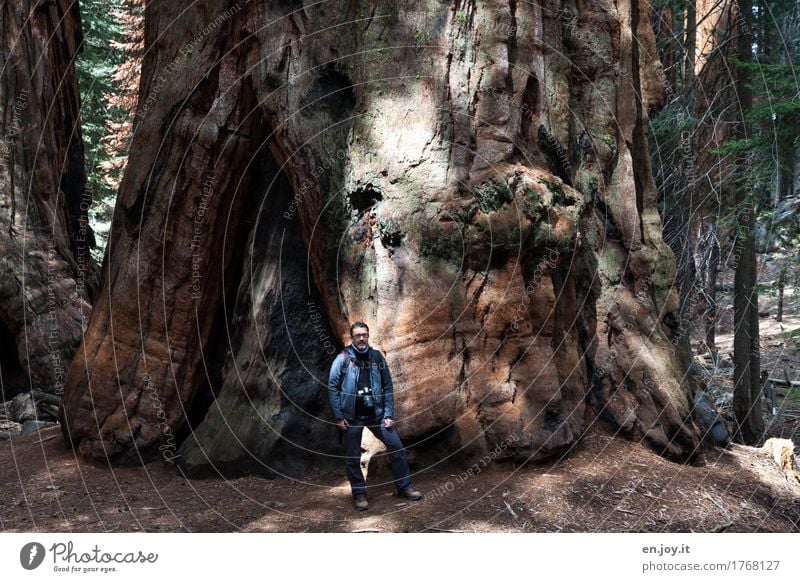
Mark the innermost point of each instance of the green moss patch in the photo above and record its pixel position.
(560, 196)
(491, 195)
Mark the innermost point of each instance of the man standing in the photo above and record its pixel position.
(361, 395)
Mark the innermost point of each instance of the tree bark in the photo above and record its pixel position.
(708, 251)
(747, 400)
(677, 184)
(712, 103)
(691, 50)
(46, 274)
(443, 173)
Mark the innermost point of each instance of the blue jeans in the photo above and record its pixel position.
(390, 438)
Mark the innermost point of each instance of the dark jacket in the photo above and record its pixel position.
(343, 381)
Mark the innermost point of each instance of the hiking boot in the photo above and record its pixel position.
(361, 502)
(410, 493)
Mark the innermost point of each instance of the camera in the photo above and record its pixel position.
(366, 397)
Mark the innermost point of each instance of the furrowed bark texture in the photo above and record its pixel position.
(46, 272)
(470, 179)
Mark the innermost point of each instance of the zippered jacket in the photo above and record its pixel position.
(343, 383)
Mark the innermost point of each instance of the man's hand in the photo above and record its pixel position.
(388, 422)
(342, 424)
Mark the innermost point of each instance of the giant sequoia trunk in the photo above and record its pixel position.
(45, 265)
(470, 179)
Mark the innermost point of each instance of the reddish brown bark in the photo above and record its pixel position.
(472, 180)
(47, 274)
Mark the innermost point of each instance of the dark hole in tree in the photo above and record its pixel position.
(552, 418)
(331, 90)
(612, 233)
(391, 235)
(365, 198)
(498, 257)
(12, 374)
(391, 239)
(530, 103)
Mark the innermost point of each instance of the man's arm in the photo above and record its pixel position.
(335, 387)
(388, 389)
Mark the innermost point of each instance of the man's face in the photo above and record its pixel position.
(360, 337)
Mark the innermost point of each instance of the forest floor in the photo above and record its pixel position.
(606, 484)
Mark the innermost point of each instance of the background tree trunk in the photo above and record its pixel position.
(746, 350)
(46, 273)
(708, 251)
(472, 180)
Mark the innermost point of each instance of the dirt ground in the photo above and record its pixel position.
(606, 484)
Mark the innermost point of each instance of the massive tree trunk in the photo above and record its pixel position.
(45, 267)
(472, 180)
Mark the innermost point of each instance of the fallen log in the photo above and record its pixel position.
(781, 382)
(782, 452)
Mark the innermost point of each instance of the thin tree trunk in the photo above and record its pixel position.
(691, 49)
(678, 227)
(786, 161)
(746, 352)
(709, 255)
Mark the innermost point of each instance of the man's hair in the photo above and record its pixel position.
(358, 324)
